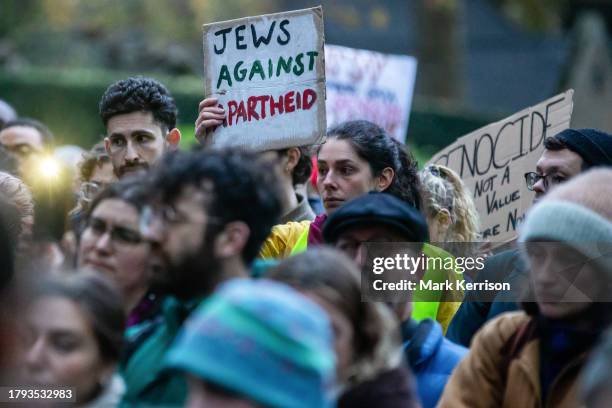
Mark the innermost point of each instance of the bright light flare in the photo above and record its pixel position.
(49, 167)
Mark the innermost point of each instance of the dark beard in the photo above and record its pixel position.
(195, 275)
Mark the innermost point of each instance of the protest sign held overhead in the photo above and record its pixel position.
(369, 85)
(493, 160)
(268, 73)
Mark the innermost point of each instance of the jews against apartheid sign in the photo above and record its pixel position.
(268, 73)
(369, 85)
(493, 160)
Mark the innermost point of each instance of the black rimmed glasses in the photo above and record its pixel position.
(117, 233)
(548, 180)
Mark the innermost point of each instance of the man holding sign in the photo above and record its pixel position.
(565, 155)
(265, 83)
(267, 77)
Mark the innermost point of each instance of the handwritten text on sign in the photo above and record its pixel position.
(369, 85)
(492, 162)
(268, 74)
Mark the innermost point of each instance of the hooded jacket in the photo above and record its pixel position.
(497, 373)
(431, 358)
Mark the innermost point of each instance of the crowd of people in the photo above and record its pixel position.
(150, 276)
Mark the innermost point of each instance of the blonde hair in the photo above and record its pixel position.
(18, 193)
(443, 189)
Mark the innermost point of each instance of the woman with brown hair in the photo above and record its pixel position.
(74, 338)
(370, 369)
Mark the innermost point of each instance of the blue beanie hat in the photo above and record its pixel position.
(594, 146)
(262, 340)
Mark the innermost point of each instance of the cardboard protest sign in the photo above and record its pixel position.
(493, 160)
(369, 85)
(268, 73)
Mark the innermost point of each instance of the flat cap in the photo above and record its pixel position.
(377, 209)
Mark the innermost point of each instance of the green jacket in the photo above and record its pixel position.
(147, 385)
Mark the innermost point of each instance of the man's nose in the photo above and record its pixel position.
(360, 255)
(103, 243)
(131, 154)
(539, 187)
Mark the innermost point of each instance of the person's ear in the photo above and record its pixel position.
(384, 180)
(293, 157)
(232, 240)
(107, 145)
(173, 138)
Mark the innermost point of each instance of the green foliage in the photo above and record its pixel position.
(158, 35)
(67, 101)
(188, 139)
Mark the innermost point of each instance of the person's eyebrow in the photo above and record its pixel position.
(380, 238)
(345, 161)
(19, 145)
(141, 132)
(551, 170)
(62, 332)
(133, 133)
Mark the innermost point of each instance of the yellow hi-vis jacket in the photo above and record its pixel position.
(292, 238)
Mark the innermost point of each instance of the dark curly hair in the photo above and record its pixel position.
(139, 94)
(134, 190)
(244, 188)
(380, 150)
(92, 159)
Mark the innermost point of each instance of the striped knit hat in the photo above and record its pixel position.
(263, 341)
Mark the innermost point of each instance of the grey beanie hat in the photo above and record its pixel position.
(576, 226)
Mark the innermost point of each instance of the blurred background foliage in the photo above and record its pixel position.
(58, 56)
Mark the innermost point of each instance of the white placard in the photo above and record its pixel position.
(369, 85)
(268, 73)
(493, 160)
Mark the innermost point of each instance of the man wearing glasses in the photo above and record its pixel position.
(565, 155)
(140, 119)
(211, 214)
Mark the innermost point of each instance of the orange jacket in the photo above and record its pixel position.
(488, 378)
